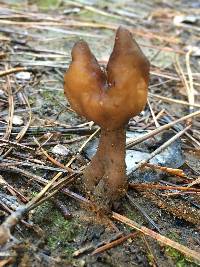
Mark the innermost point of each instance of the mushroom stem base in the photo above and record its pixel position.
(105, 178)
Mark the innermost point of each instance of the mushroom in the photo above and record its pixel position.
(109, 98)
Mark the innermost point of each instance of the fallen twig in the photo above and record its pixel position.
(171, 171)
(134, 141)
(162, 187)
(114, 243)
(13, 70)
(57, 163)
(164, 240)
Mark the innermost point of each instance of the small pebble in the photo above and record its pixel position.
(60, 150)
(23, 75)
(17, 120)
(2, 92)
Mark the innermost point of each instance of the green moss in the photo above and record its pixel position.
(32, 99)
(150, 259)
(34, 193)
(132, 213)
(178, 258)
(48, 4)
(60, 233)
(52, 96)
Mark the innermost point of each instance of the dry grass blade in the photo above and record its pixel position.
(54, 190)
(171, 100)
(153, 114)
(25, 128)
(189, 88)
(191, 84)
(81, 148)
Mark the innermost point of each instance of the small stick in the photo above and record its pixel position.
(6, 184)
(171, 171)
(15, 144)
(13, 70)
(180, 193)
(92, 246)
(10, 222)
(43, 130)
(162, 187)
(114, 243)
(196, 181)
(134, 141)
(65, 212)
(153, 114)
(57, 163)
(164, 240)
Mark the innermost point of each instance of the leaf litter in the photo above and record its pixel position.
(44, 217)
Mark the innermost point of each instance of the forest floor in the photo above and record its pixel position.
(50, 222)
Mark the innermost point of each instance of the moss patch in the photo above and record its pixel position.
(48, 4)
(178, 258)
(60, 233)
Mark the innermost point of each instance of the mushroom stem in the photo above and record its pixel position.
(106, 174)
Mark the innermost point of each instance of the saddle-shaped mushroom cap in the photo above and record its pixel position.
(109, 100)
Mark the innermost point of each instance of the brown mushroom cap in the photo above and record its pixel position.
(109, 101)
